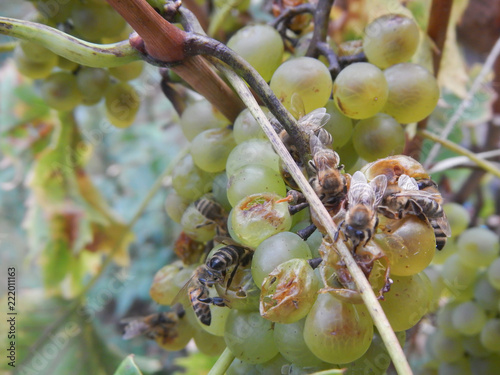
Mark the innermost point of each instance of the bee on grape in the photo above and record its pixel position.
(406, 198)
(361, 217)
(197, 289)
(160, 326)
(214, 213)
(231, 255)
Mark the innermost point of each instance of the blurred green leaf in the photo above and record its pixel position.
(196, 363)
(128, 367)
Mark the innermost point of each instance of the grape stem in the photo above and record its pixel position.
(362, 283)
(486, 165)
(223, 362)
(69, 47)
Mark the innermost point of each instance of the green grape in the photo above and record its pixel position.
(175, 205)
(410, 247)
(209, 344)
(36, 53)
(444, 348)
(444, 322)
(211, 148)
(189, 181)
(486, 296)
(92, 21)
(198, 117)
(289, 292)
(92, 83)
(339, 126)
(473, 346)
(305, 76)
(314, 240)
(493, 273)
(218, 314)
(272, 367)
(457, 276)
(196, 226)
(219, 190)
(378, 137)
(490, 335)
(258, 217)
(459, 367)
(408, 300)
(55, 11)
(261, 46)
(178, 341)
(250, 337)
(128, 71)
(289, 339)
(240, 5)
(275, 250)
(360, 90)
(413, 92)
(60, 91)
(294, 369)
(458, 217)
(449, 249)
(245, 126)
(478, 247)
(486, 366)
(66, 64)
(348, 155)
(468, 318)
(438, 286)
(168, 281)
(390, 39)
(376, 360)
(32, 69)
(252, 179)
(242, 294)
(239, 367)
(122, 103)
(255, 152)
(337, 332)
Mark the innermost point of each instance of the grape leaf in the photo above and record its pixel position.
(196, 363)
(128, 367)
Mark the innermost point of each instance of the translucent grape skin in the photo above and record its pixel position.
(337, 332)
(413, 92)
(122, 103)
(196, 226)
(258, 217)
(211, 148)
(390, 39)
(245, 127)
(490, 335)
(305, 76)
(250, 337)
(458, 217)
(289, 339)
(92, 21)
(261, 46)
(486, 296)
(199, 116)
(468, 318)
(253, 179)
(128, 71)
(60, 91)
(360, 90)
(175, 205)
(189, 181)
(339, 125)
(378, 137)
(478, 247)
(253, 151)
(92, 83)
(445, 348)
(493, 273)
(457, 276)
(33, 69)
(275, 250)
(209, 344)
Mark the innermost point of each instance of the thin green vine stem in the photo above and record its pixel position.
(69, 47)
(77, 302)
(223, 362)
(364, 287)
(486, 165)
(221, 15)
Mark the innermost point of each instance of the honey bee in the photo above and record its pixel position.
(160, 326)
(228, 256)
(361, 217)
(213, 212)
(407, 199)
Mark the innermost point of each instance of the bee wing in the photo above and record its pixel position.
(358, 178)
(182, 297)
(315, 144)
(406, 182)
(314, 120)
(379, 184)
(297, 108)
(444, 224)
(418, 193)
(134, 327)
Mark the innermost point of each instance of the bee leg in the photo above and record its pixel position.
(297, 208)
(368, 236)
(314, 263)
(218, 301)
(206, 223)
(336, 237)
(231, 277)
(306, 232)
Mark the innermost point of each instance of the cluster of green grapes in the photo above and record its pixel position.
(65, 83)
(467, 276)
(287, 315)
